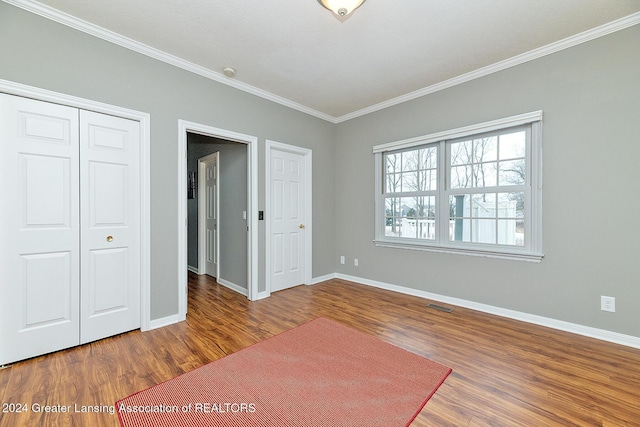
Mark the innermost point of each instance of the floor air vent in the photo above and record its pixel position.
(441, 308)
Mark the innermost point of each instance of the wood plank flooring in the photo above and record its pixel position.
(505, 373)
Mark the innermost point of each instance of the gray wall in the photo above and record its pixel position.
(233, 201)
(38, 52)
(590, 95)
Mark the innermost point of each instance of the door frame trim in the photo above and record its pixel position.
(202, 259)
(185, 127)
(307, 154)
(18, 89)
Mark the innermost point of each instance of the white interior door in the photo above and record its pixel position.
(110, 218)
(288, 218)
(39, 228)
(208, 215)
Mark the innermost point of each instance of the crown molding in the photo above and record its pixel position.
(120, 40)
(97, 31)
(594, 33)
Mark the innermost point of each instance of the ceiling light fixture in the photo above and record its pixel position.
(341, 8)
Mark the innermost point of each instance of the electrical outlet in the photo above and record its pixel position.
(608, 304)
(342, 259)
(355, 262)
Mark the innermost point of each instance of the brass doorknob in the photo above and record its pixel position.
(109, 238)
(301, 226)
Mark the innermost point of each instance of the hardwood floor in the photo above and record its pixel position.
(505, 373)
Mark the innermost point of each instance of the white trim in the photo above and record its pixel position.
(571, 41)
(164, 321)
(237, 288)
(192, 269)
(252, 220)
(507, 122)
(185, 127)
(144, 119)
(600, 334)
(486, 253)
(261, 295)
(308, 248)
(324, 278)
(110, 36)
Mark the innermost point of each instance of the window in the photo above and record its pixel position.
(472, 190)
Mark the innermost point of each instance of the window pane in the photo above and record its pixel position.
(392, 172)
(425, 207)
(510, 232)
(392, 217)
(408, 181)
(459, 230)
(430, 157)
(483, 231)
(485, 149)
(511, 205)
(392, 207)
(392, 162)
(512, 145)
(486, 174)
(459, 206)
(483, 206)
(461, 177)
(428, 180)
(414, 170)
(461, 153)
(428, 163)
(392, 183)
(408, 162)
(410, 217)
(512, 172)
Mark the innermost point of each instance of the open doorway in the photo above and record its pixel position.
(238, 261)
(217, 210)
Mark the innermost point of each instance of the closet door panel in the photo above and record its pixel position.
(110, 188)
(39, 228)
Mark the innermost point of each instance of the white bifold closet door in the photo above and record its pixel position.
(69, 227)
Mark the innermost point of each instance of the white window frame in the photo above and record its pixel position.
(532, 249)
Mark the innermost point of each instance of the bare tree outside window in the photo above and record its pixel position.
(471, 190)
(411, 177)
(488, 167)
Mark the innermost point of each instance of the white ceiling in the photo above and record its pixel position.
(300, 52)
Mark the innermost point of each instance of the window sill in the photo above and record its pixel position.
(515, 256)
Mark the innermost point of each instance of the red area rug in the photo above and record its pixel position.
(318, 374)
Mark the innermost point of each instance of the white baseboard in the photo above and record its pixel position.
(323, 278)
(164, 321)
(233, 286)
(193, 269)
(601, 334)
(262, 295)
